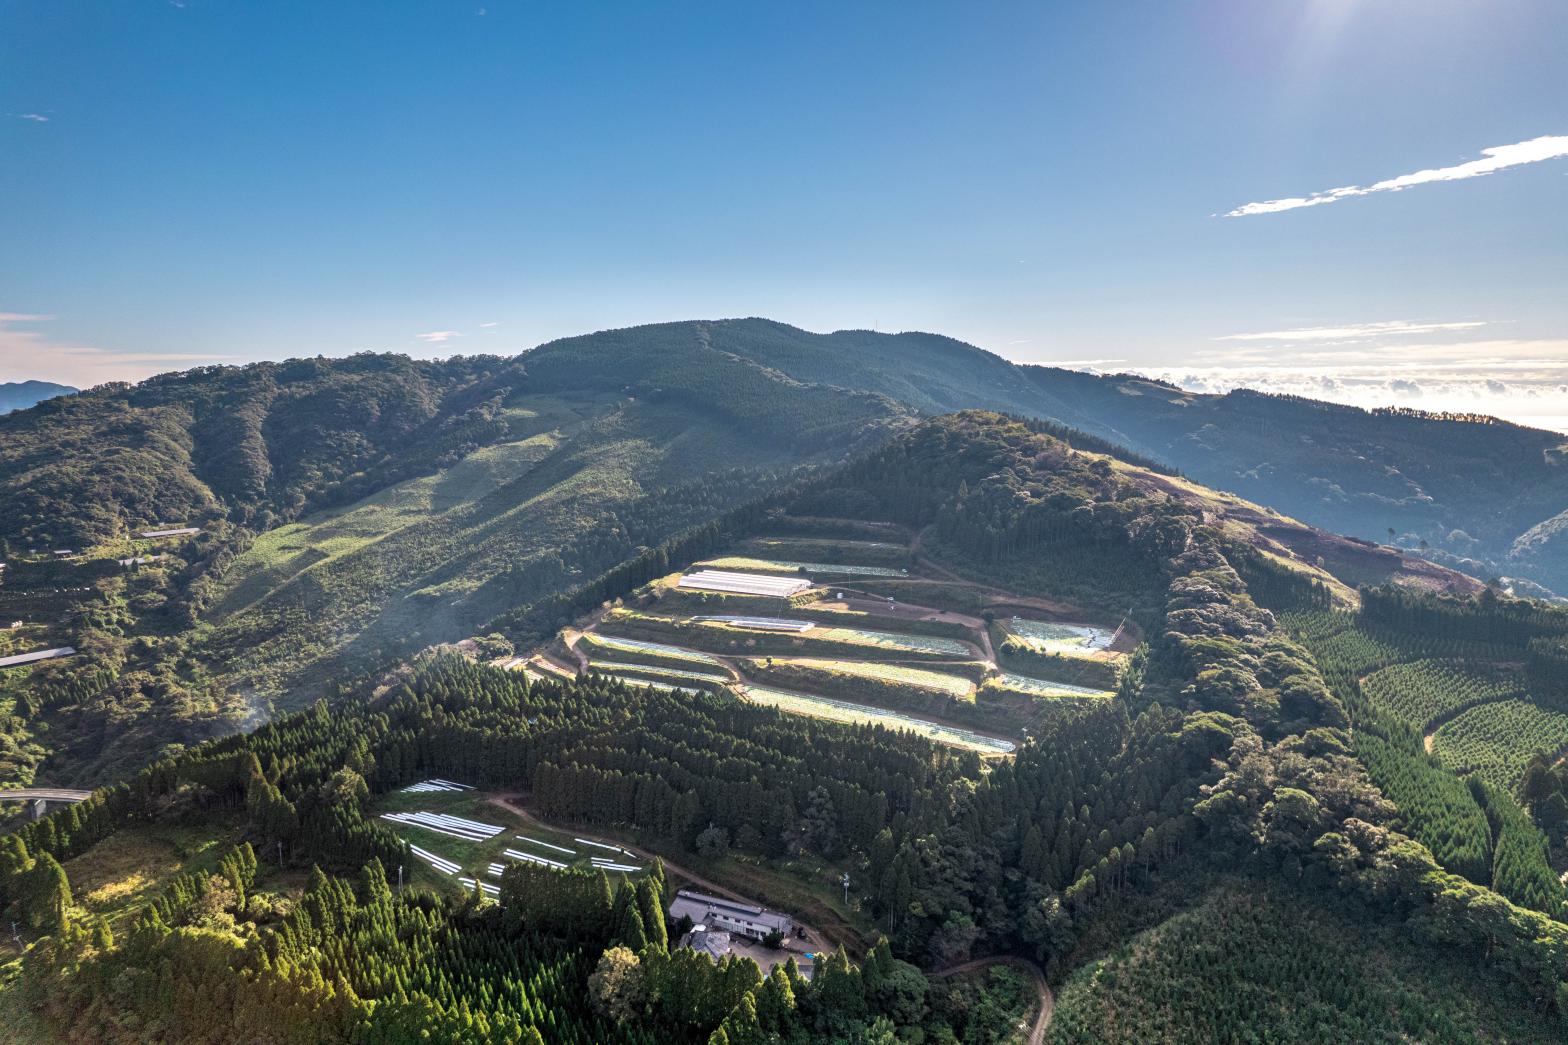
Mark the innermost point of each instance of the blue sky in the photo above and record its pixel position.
(207, 181)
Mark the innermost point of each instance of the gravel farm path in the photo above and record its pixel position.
(1047, 1000)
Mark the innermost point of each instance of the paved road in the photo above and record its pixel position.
(1047, 1000)
(48, 794)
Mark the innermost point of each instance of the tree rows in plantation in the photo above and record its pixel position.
(1487, 625)
(1205, 975)
(1495, 741)
(1435, 806)
(1475, 828)
(1425, 691)
(1521, 869)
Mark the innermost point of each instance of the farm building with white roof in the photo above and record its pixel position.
(727, 915)
(729, 583)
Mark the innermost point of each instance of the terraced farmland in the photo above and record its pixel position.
(923, 667)
(743, 562)
(862, 714)
(820, 549)
(1051, 637)
(636, 649)
(1496, 740)
(829, 642)
(660, 678)
(611, 667)
(1423, 692)
(839, 673)
(1033, 687)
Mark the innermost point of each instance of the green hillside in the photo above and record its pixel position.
(262, 444)
(1212, 847)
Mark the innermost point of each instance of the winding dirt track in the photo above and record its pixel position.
(1047, 1000)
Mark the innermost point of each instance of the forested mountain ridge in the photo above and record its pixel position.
(1240, 811)
(349, 512)
(19, 395)
(1461, 490)
(1478, 495)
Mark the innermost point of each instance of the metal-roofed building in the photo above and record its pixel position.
(715, 943)
(717, 913)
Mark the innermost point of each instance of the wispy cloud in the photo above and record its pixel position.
(27, 353)
(487, 326)
(436, 337)
(1352, 332)
(36, 117)
(1497, 158)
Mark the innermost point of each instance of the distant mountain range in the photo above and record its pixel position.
(1489, 498)
(19, 395)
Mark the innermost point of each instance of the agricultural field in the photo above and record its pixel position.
(839, 569)
(669, 679)
(1496, 740)
(612, 667)
(629, 679)
(918, 665)
(1006, 681)
(1051, 637)
(639, 651)
(447, 851)
(861, 714)
(1425, 692)
(823, 549)
(718, 637)
(833, 675)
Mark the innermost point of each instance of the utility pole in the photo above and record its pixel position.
(846, 888)
(16, 937)
(280, 854)
(400, 879)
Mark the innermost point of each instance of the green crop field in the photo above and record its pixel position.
(746, 563)
(1496, 740)
(860, 714)
(848, 674)
(652, 671)
(656, 653)
(1006, 681)
(818, 549)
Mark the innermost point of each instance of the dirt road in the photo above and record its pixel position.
(1046, 1000)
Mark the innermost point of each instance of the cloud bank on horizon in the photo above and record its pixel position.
(1496, 158)
(1370, 365)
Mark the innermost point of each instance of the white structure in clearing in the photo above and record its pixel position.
(716, 913)
(36, 655)
(178, 531)
(730, 583)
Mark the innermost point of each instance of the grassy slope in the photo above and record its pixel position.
(435, 558)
